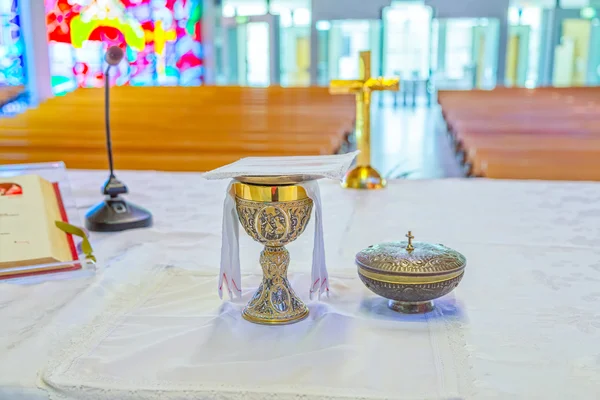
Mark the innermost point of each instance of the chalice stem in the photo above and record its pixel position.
(275, 302)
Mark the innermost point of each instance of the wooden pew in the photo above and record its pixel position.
(544, 133)
(179, 128)
(565, 166)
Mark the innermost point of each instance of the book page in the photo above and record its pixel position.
(28, 209)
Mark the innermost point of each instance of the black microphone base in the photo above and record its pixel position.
(115, 214)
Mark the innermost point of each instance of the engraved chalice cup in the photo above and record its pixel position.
(273, 215)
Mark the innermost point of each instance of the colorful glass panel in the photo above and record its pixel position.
(161, 38)
(12, 66)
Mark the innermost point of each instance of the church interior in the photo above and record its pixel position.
(530, 67)
(407, 123)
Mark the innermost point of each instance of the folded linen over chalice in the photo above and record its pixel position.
(273, 198)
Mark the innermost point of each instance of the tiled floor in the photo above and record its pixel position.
(412, 143)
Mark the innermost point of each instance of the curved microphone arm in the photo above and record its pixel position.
(107, 121)
(113, 187)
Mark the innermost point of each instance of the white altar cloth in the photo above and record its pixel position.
(524, 323)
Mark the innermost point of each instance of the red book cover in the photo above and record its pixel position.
(74, 267)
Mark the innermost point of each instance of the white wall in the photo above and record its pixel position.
(469, 8)
(348, 9)
(37, 58)
(210, 11)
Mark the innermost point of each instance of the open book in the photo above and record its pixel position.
(30, 242)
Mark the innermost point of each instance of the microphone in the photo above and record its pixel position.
(113, 56)
(114, 213)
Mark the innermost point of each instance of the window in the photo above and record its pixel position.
(459, 47)
(407, 41)
(530, 17)
(162, 41)
(12, 65)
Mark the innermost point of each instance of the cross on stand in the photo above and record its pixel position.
(363, 176)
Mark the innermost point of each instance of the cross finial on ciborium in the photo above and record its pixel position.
(410, 237)
(363, 176)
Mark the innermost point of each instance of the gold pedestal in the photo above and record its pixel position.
(365, 177)
(275, 301)
(411, 308)
(274, 215)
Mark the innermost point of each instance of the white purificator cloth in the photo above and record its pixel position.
(332, 167)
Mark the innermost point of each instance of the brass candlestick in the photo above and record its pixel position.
(363, 176)
(273, 214)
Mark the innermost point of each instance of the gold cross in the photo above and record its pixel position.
(363, 176)
(410, 237)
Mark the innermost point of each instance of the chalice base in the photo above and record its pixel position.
(275, 302)
(411, 308)
(363, 177)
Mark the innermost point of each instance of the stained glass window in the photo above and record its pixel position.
(161, 39)
(12, 66)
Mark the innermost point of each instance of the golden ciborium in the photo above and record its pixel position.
(274, 215)
(410, 274)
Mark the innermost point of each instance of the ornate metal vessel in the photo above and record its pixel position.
(273, 215)
(410, 274)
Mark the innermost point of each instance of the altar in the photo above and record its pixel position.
(524, 322)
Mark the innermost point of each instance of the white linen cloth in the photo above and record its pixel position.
(523, 324)
(317, 167)
(206, 350)
(331, 167)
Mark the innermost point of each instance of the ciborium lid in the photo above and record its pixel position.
(409, 258)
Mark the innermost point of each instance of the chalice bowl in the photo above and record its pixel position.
(274, 212)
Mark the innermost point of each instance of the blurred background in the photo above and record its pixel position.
(463, 45)
(50, 48)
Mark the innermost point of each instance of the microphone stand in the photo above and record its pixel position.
(107, 121)
(114, 213)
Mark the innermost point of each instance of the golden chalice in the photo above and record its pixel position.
(274, 215)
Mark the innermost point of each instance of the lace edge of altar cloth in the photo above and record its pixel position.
(62, 383)
(326, 166)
